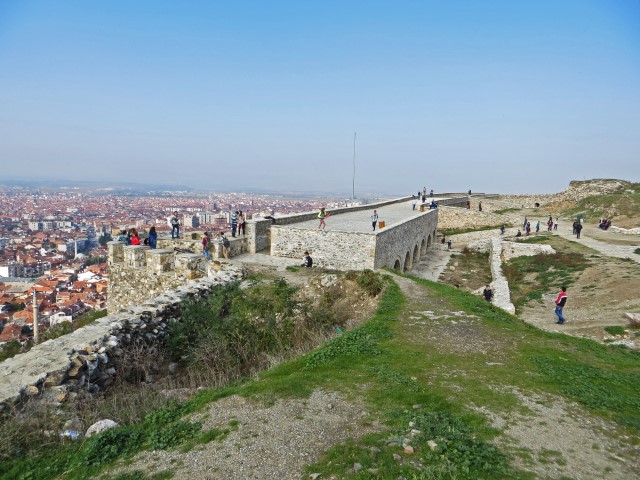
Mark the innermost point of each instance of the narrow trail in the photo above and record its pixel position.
(547, 434)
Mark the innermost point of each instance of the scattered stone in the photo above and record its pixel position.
(373, 470)
(409, 450)
(397, 457)
(31, 390)
(100, 426)
(314, 476)
(417, 406)
(375, 449)
(357, 467)
(432, 445)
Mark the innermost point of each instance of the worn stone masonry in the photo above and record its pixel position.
(83, 360)
(396, 246)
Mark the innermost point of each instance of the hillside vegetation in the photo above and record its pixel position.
(435, 369)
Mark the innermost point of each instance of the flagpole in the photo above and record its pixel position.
(353, 185)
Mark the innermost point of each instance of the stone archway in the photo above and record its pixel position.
(416, 253)
(423, 248)
(408, 263)
(397, 265)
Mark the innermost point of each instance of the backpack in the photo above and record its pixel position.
(226, 242)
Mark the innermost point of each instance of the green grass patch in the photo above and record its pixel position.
(507, 210)
(614, 330)
(530, 277)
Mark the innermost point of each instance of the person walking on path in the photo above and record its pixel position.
(374, 219)
(524, 224)
(538, 226)
(413, 203)
(578, 229)
(502, 229)
(175, 226)
(479, 206)
(487, 293)
(549, 224)
(322, 215)
(528, 228)
(449, 244)
(555, 225)
(206, 245)
(561, 301)
(153, 238)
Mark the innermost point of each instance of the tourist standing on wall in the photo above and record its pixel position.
(241, 223)
(175, 226)
(374, 219)
(413, 203)
(431, 193)
(153, 237)
(234, 223)
(206, 240)
(307, 261)
(561, 301)
(322, 215)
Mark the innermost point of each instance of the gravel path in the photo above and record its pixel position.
(265, 442)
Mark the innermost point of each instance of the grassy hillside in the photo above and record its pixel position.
(616, 206)
(428, 367)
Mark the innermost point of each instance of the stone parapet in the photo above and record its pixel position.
(499, 284)
(83, 359)
(451, 218)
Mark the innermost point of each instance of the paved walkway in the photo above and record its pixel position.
(431, 266)
(361, 221)
(608, 249)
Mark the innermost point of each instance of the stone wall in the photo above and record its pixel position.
(395, 246)
(458, 218)
(499, 284)
(401, 244)
(329, 249)
(517, 249)
(83, 360)
(137, 273)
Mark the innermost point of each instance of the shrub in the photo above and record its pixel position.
(371, 282)
(614, 330)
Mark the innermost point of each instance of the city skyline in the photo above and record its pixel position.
(500, 97)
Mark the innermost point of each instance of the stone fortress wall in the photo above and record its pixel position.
(396, 245)
(56, 370)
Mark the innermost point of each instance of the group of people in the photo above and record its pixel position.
(238, 222)
(132, 237)
(208, 244)
(551, 225)
(604, 224)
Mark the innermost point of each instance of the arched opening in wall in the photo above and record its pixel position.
(397, 265)
(408, 264)
(423, 248)
(416, 253)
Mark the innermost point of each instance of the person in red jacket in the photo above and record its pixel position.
(135, 239)
(561, 301)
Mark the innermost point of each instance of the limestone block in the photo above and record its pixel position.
(134, 256)
(160, 260)
(115, 252)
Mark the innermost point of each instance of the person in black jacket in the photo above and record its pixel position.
(308, 261)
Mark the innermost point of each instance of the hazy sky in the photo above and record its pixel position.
(499, 96)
